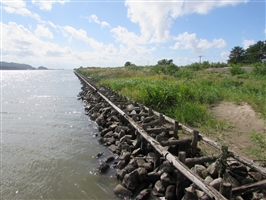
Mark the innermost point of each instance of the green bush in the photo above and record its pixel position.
(236, 70)
(259, 69)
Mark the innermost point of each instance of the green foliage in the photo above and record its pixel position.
(237, 55)
(195, 66)
(128, 64)
(236, 70)
(259, 69)
(181, 92)
(165, 62)
(258, 148)
(254, 53)
(186, 74)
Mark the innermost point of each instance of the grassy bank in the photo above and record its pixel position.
(183, 93)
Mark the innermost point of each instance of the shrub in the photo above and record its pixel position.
(236, 70)
(259, 69)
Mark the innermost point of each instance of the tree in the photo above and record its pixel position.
(237, 55)
(256, 52)
(165, 62)
(128, 64)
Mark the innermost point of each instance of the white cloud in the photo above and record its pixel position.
(190, 41)
(225, 55)
(82, 35)
(46, 5)
(156, 18)
(247, 43)
(123, 35)
(104, 23)
(15, 4)
(19, 44)
(19, 7)
(94, 18)
(42, 31)
(131, 46)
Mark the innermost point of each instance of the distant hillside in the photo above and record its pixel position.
(42, 68)
(15, 66)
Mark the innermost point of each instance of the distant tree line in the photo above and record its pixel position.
(253, 54)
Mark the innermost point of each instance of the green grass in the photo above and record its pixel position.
(180, 92)
(258, 147)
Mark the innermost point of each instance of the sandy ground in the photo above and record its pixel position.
(242, 120)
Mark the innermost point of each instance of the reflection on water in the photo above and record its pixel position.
(48, 146)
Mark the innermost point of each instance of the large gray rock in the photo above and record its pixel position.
(103, 167)
(153, 177)
(130, 180)
(113, 148)
(212, 169)
(159, 187)
(142, 174)
(144, 194)
(120, 174)
(216, 183)
(109, 159)
(167, 167)
(122, 191)
(170, 193)
(121, 164)
(229, 179)
(167, 180)
(125, 155)
(200, 170)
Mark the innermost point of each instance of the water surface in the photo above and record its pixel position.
(47, 144)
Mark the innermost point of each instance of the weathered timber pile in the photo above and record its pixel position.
(142, 172)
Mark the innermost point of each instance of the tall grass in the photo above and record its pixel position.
(182, 93)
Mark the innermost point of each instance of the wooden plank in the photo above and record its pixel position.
(244, 189)
(200, 160)
(249, 163)
(159, 130)
(176, 142)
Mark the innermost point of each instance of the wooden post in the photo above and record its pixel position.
(176, 124)
(150, 112)
(157, 159)
(226, 190)
(195, 142)
(143, 143)
(182, 156)
(161, 119)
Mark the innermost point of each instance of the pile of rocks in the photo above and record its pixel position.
(139, 171)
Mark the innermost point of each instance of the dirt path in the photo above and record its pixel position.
(241, 121)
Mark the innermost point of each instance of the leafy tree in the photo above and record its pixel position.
(237, 55)
(128, 64)
(256, 52)
(165, 62)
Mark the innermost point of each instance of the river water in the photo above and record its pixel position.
(48, 146)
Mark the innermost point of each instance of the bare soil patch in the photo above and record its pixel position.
(241, 121)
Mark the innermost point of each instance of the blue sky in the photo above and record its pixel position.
(69, 34)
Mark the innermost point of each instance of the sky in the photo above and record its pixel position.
(67, 34)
